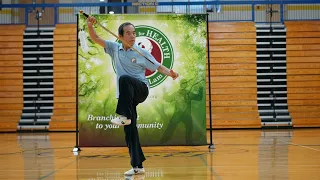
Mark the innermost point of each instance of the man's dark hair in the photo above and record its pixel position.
(120, 29)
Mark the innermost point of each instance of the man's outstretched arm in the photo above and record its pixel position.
(93, 35)
(169, 72)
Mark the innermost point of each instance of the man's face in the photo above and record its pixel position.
(129, 34)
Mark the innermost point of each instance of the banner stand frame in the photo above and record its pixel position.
(76, 148)
(211, 145)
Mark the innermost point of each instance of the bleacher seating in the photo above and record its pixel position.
(64, 62)
(11, 76)
(233, 75)
(303, 72)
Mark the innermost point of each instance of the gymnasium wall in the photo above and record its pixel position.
(233, 75)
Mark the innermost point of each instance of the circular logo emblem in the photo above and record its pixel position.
(159, 46)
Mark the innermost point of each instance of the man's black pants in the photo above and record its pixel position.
(132, 92)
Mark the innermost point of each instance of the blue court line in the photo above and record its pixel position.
(53, 172)
(210, 167)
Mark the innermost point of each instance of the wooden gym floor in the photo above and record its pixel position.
(238, 154)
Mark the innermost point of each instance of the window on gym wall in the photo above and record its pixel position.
(164, 9)
(198, 9)
(181, 9)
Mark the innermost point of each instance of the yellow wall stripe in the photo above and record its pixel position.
(5, 11)
(147, 9)
(303, 7)
(66, 11)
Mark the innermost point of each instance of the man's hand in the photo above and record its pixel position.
(173, 74)
(91, 20)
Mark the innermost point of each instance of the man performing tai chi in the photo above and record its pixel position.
(132, 85)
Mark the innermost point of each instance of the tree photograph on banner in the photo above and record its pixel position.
(174, 112)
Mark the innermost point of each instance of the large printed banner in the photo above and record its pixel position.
(175, 111)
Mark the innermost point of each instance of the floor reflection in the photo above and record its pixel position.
(273, 154)
(158, 166)
(242, 154)
(38, 155)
